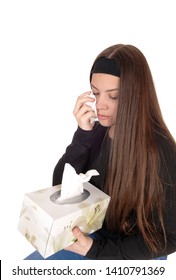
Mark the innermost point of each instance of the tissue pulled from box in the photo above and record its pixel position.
(72, 183)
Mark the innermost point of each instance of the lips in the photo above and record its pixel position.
(103, 117)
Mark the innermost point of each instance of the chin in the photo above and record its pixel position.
(105, 123)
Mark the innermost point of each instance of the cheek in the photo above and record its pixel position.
(114, 109)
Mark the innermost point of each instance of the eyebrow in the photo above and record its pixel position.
(108, 90)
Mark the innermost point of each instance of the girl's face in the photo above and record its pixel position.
(105, 87)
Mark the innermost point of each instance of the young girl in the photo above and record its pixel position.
(135, 154)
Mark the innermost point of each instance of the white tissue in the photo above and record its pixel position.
(72, 183)
(93, 106)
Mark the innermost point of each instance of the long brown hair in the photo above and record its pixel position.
(133, 180)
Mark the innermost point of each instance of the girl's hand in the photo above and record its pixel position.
(83, 112)
(83, 243)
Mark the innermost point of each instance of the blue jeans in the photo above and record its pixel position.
(161, 258)
(61, 255)
(66, 255)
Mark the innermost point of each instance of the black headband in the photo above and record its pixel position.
(107, 66)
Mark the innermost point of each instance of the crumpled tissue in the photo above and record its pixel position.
(93, 106)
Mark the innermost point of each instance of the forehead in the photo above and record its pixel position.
(105, 81)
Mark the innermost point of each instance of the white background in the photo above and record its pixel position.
(46, 51)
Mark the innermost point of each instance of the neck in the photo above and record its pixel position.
(111, 132)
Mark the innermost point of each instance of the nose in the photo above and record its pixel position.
(101, 102)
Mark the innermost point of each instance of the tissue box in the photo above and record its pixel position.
(47, 224)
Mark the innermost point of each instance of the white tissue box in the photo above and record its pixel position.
(47, 224)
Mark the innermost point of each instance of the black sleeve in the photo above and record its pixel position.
(133, 247)
(76, 154)
(130, 247)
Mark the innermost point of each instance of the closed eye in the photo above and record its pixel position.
(95, 93)
(114, 97)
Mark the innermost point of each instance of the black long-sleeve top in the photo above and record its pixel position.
(89, 150)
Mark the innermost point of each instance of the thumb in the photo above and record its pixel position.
(79, 234)
(83, 243)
